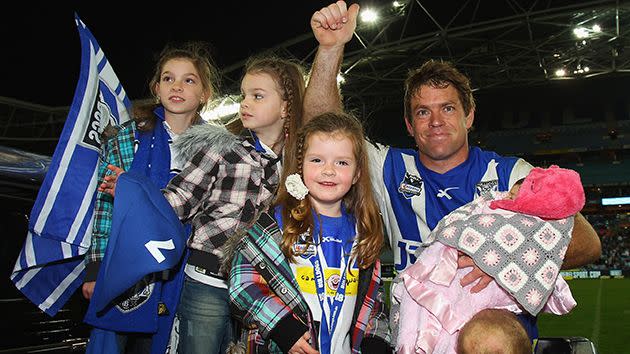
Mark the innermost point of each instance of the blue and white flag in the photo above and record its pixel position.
(50, 266)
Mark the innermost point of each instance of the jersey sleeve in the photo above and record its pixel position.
(376, 160)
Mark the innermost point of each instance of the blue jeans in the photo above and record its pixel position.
(205, 325)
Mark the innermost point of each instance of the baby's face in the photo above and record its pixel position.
(514, 191)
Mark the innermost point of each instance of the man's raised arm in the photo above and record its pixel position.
(333, 27)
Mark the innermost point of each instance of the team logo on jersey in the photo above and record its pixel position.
(304, 250)
(136, 296)
(410, 186)
(485, 188)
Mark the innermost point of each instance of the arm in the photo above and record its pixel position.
(585, 246)
(100, 236)
(186, 191)
(258, 304)
(101, 225)
(333, 26)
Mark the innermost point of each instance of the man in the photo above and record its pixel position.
(416, 188)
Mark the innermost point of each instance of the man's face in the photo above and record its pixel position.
(439, 127)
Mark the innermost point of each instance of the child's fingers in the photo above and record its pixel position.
(117, 170)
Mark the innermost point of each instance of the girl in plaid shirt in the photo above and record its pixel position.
(227, 182)
(306, 277)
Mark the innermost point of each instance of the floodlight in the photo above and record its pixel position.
(560, 72)
(580, 32)
(369, 15)
(597, 28)
(221, 109)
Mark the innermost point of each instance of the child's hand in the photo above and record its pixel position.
(334, 24)
(302, 346)
(109, 182)
(88, 289)
(463, 261)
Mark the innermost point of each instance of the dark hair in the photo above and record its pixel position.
(199, 55)
(297, 215)
(438, 74)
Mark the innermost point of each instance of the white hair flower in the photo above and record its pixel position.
(295, 186)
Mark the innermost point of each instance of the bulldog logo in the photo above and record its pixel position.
(485, 188)
(136, 296)
(410, 186)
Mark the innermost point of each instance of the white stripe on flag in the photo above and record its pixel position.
(90, 96)
(29, 251)
(86, 204)
(52, 298)
(27, 277)
(16, 267)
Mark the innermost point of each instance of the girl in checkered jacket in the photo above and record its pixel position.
(228, 180)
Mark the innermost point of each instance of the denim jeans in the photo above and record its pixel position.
(205, 325)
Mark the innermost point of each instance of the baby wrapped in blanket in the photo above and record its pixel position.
(520, 242)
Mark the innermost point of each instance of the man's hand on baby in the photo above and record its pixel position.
(463, 261)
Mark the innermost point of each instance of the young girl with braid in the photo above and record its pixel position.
(306, 277)
(228, 180)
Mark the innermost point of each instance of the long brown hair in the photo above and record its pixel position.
(289, 78)
(198, 54)
(297, 215)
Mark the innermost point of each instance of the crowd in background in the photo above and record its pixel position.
(614, 232)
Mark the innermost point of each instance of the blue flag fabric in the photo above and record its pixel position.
(50, 266)
(146, 238)
(102, 342)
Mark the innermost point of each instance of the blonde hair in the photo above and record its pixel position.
(492, 328)
(297, 215)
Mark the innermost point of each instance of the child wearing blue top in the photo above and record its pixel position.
(306, 277)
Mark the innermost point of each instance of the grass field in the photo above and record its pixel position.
(602, 315)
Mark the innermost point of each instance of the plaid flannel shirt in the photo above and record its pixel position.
(220, 194)
(263, 290)
(119, 151)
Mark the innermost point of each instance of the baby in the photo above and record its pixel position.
(519, 238)
(493, 331)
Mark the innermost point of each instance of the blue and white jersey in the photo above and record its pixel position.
(413, 199)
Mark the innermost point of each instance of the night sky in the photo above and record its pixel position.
(40, 48)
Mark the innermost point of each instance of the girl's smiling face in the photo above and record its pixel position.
(329, 170)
